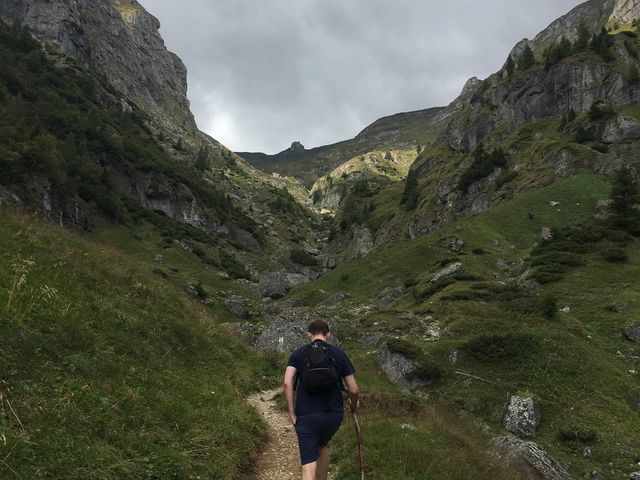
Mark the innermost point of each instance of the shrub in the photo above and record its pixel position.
(546, 307)
(411, 194)
(424, 369)
(601, 111)
(411, 282)
(506, 177)
(483, 165)
(572, 434)
(493, 348)
(302, 257)
(233, 268)
(435, 287)
(615, 255)
(478, 251)
(161, 273)
(344, 277)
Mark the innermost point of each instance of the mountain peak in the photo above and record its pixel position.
(297, 147)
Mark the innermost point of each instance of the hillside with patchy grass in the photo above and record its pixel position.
(109, 372)
(524, 315)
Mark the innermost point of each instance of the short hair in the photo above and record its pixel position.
(318, 327)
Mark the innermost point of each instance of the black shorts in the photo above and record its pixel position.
(314, 432)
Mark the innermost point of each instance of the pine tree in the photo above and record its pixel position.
(411, 195)
(527, 59)
(582, 42)
(202, 162)
(510, 66)
(625, 197)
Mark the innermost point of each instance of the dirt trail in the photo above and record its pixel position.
(280, 459)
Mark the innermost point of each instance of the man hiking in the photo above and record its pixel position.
(318, 370)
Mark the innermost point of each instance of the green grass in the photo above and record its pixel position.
(109, 372)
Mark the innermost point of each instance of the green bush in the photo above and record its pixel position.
(483, 165)
(506, 347)
(302, 257)
(233, 268)
(435, 287)
(573, 434)
(546, 307)
(615, 255)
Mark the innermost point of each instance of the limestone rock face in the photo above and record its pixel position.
(523, 416)
(620, 128)
(118, 39)
(361, 245)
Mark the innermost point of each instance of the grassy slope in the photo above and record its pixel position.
(576, 372)
(111, 372)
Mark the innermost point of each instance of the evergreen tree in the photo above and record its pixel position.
(582, 42)
(527, 59)
(625, 196)
(510, 66)
(202, 162)
(410, 195)
(634, 73)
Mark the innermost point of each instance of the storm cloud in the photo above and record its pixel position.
(265, 73)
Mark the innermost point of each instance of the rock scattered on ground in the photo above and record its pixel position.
(633, 333)
(237, 306)
(546, 234)
(453, 269)
(514, 451)
(523, 416)
(453, 244)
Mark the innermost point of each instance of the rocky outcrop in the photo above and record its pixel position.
(281, 335)
(523, 416)
(539, 95)
(453, 269)
(617, 129)
(514, 451)
(361, 244)
(117, 39)
(274, 284)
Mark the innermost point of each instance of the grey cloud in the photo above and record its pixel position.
(265, 73)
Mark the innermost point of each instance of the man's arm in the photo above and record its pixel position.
(289, 378)
(352, 391)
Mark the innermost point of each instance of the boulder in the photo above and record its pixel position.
(274, 284)
(634, 476)
(633, 333)
(514, 451)
(237, 306)
(523, 416)
(636, 402)
(453, 269)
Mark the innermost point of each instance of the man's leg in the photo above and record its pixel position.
(322, 470)
(309, 471)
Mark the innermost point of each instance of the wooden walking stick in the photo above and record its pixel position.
(356, 424)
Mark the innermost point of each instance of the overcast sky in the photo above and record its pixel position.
(263, 73)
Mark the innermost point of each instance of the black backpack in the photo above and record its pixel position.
(319, 371)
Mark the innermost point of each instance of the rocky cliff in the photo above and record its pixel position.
(119, 40)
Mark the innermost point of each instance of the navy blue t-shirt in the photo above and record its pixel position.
(330, 401)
